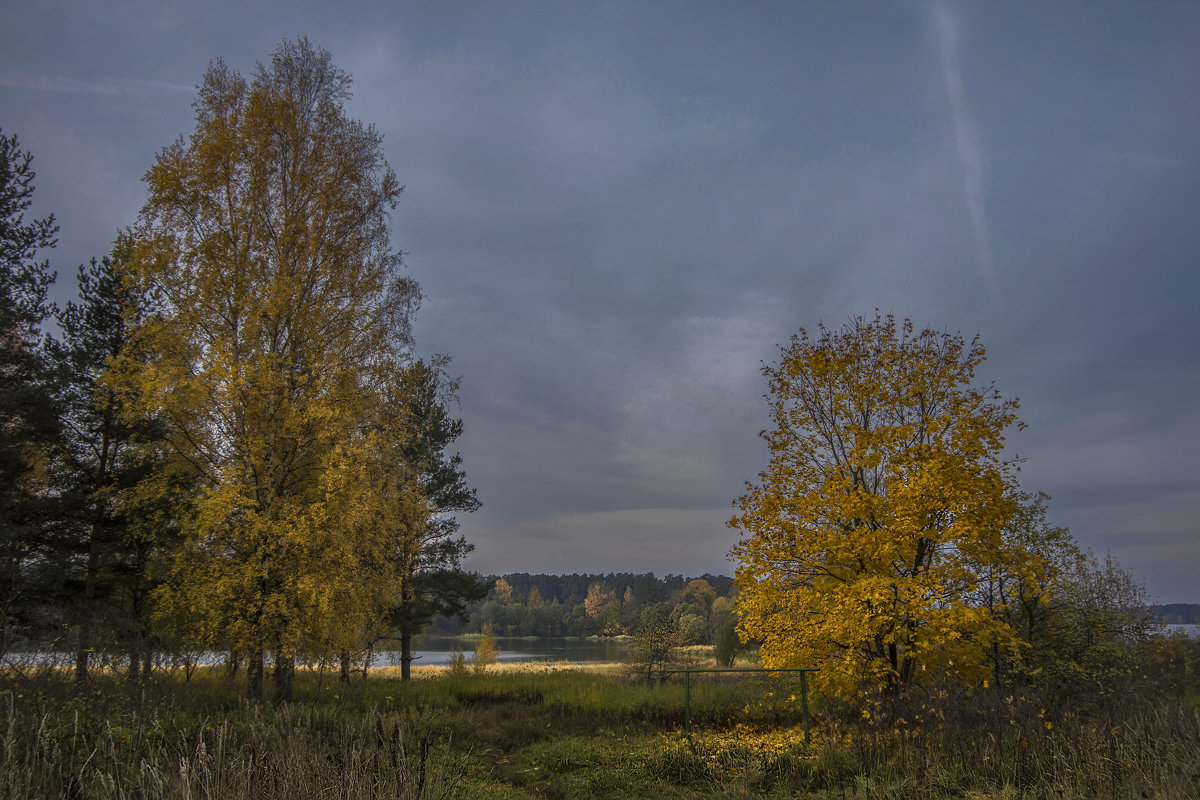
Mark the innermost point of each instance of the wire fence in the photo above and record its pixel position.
(687, 691)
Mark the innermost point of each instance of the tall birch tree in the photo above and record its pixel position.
(265, 243)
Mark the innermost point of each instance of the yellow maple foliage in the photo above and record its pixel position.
(884, 502)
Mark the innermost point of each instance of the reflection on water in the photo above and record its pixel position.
(436, 650)
(431, 650)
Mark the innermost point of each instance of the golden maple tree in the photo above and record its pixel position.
(282, 321)
(884, 502)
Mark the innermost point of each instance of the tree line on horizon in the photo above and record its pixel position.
(698, 610)
(229, 443)
(1178, 613)
(521, 604)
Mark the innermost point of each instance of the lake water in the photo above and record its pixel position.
(1191, 630)
(436, 650)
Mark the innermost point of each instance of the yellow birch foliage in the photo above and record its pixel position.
(884, 502)
(369, 512)
(486, 652)
(599, 597)
(281, 313)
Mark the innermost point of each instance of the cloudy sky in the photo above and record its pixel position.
(617, 210)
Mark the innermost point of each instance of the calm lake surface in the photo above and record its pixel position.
(1190, 630)
(431, 650)
(435, 650)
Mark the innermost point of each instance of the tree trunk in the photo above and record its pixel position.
(136, 639)
(892, 685)
(81, 655)
(285, 669)
(99, 481)
(254, 676)
(83, 647)
(406, 655)
(232, 662)
(345, 674)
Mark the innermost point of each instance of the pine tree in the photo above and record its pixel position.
(103, 455)
(27, 418)
(430, 554)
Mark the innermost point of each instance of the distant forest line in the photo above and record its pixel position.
(524, 604)
(1179, 613)
(597, 604)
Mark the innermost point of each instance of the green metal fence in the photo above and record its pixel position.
(687, 690)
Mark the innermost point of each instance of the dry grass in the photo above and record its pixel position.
(255, 753)
(559, 730)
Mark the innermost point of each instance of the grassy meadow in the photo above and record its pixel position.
(546, 731)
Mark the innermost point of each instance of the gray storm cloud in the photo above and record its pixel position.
(618, 211)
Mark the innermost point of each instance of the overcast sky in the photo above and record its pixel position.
(618, 210)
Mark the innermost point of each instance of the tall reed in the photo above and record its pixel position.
(286, 752)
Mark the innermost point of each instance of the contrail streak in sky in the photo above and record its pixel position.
(970, 151)
(56, 83)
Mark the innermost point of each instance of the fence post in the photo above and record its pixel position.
(687, 701)
(687, 694)
(804, 705)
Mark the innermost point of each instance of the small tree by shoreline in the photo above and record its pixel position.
(655, 643)
(486, 652)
